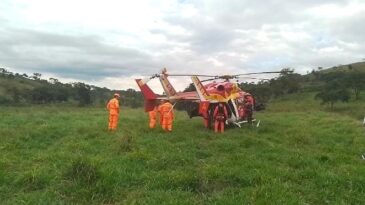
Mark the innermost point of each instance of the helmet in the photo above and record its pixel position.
(116, 95)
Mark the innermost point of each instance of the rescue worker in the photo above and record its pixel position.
(167, 112)
(249, 104)
(159, 110)
(153, 117)
(205, 115)
(220, 115)
(241, 111)
(113, 107)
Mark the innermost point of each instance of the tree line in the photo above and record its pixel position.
(22, 89)
(330, 86)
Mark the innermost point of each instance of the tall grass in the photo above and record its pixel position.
(66, 156)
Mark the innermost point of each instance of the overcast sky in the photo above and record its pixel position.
(110, 42)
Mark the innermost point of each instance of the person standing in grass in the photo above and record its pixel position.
(220, 115)
(159, 110)
(113, 107)
(153, 117)
(167, 112)
(204, 108)
(248, 105)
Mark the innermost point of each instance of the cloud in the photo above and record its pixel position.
(111, 42)
(83, 57)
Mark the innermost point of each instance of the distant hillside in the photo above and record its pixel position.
(20, 89)
(347, 80)
(359, 66)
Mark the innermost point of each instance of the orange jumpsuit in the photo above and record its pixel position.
(220, 115)
(153, 117)
(113, 107)
(204, 109)
(160, 113)
(167, 113)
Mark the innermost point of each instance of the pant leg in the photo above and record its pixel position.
(222, 126)
(152, 123)
(110, 122)
(163, 123)
(115, 122)
(169, 125)
(216, 124)
(166, 123)
(206, 121)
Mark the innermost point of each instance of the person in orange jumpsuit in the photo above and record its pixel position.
(153, 117)
(220, 115)
(159, 110)
(113, 107)
(204, 108)
(249, 103)
(167, 112)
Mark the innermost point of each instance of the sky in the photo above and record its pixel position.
(109, 43)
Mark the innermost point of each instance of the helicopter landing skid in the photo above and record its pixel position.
(238, 124)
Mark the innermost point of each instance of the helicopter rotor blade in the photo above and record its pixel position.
(260, 73)
(237, 78)
(210, 79)
(253, 78)
(189, 75)
(214, 77)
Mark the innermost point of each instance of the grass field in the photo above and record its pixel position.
(53, 155)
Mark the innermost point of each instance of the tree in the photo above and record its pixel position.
(53, 81)
(288, 82)
(42, 94)
(332, 92)
(82, 93)
(190, 87)
(355, 80)
(15, 93)
(4, 72)
(60, 94)
(261, 90)
(37, 76)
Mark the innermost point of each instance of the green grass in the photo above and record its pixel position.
(53, 155)
(305, 102)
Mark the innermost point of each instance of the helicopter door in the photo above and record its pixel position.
(233, 111)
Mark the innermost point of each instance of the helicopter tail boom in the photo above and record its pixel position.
(150, 97)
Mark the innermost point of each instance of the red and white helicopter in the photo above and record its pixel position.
(240, 104)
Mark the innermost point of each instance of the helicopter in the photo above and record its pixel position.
(202, 102)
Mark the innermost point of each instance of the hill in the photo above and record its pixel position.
(21, 89)
(359, 66)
